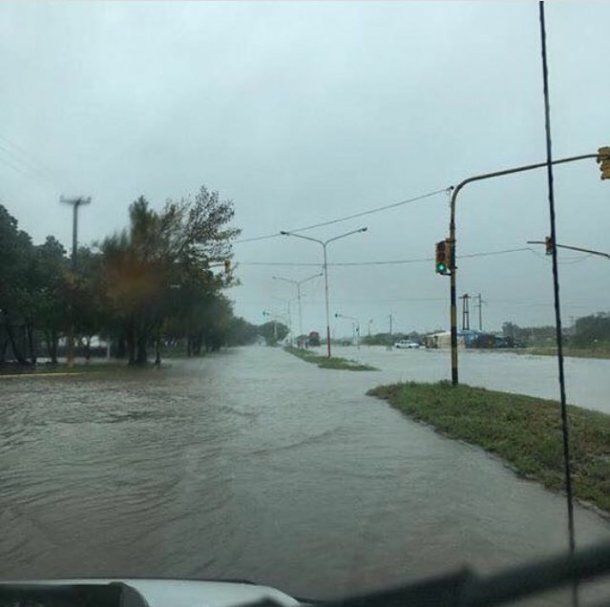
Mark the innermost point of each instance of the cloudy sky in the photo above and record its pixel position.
(307, 112)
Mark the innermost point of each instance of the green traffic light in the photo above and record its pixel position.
(441, 268)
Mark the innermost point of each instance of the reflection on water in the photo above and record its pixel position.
(254, 464)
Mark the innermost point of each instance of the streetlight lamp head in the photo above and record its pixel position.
(363, 229)
(284, 233)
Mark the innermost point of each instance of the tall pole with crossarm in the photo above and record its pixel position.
(76, 203)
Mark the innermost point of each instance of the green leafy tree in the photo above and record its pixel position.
(16, 254)
(241, 332)
(593, 330)
(273, 331)
(50, 290)
(162, 251)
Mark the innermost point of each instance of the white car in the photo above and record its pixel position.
(406, 344)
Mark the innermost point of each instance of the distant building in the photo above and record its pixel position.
(442, 340)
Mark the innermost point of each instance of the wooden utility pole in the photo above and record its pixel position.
(76, 204)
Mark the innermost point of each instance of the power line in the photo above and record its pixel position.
(381, 263)
(25, 161)
(348, 217)
(15, 167)
(427, 259)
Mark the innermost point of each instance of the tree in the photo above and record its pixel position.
(161, 251)
(50, 284)
(273, 332)
(16, 252)
(592, 330)
(241, 332)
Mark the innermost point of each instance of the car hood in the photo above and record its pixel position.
(183, 593)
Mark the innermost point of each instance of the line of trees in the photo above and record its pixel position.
(151, 285)
(591, 331)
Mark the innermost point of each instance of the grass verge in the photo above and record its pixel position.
(62, 369)
(524, 431)
(334, 362)
(570, 352)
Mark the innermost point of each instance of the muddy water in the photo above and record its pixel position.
(253, 464)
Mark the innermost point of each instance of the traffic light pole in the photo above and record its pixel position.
(453, 275)
(579, 249)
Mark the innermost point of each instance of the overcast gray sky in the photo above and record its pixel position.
(306, 112)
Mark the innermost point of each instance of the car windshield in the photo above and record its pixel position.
(308, 294)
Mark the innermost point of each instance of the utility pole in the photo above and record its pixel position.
(76, 204)
(479, 305)
(465, 312)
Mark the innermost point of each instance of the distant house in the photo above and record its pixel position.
(441, 340)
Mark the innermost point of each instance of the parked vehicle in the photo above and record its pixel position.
(406, 344)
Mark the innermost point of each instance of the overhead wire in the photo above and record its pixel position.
(13, 166)
(347, 217)
(26, 163)
(381, 262)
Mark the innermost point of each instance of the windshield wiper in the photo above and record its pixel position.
(465, 588)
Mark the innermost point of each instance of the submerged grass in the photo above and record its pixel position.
(523, 430)
(334, 362)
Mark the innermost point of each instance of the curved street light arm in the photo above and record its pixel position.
(346, 234)
(284, 233)
(300, 282)
(294, 282)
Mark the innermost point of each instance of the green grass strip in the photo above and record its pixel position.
(567, 351)
(63, 370)
(522, 430)
(334, 362)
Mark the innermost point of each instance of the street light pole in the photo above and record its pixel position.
(355, 327)
(324, 244)
(298, 284)
(325, 270)
(453, 270)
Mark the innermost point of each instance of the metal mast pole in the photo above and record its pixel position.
(326, 300)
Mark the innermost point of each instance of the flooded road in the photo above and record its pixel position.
(254, 464)
(587, 379)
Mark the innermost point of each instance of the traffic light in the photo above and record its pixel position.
(603, 158)
(444, 257)
(548, 241)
